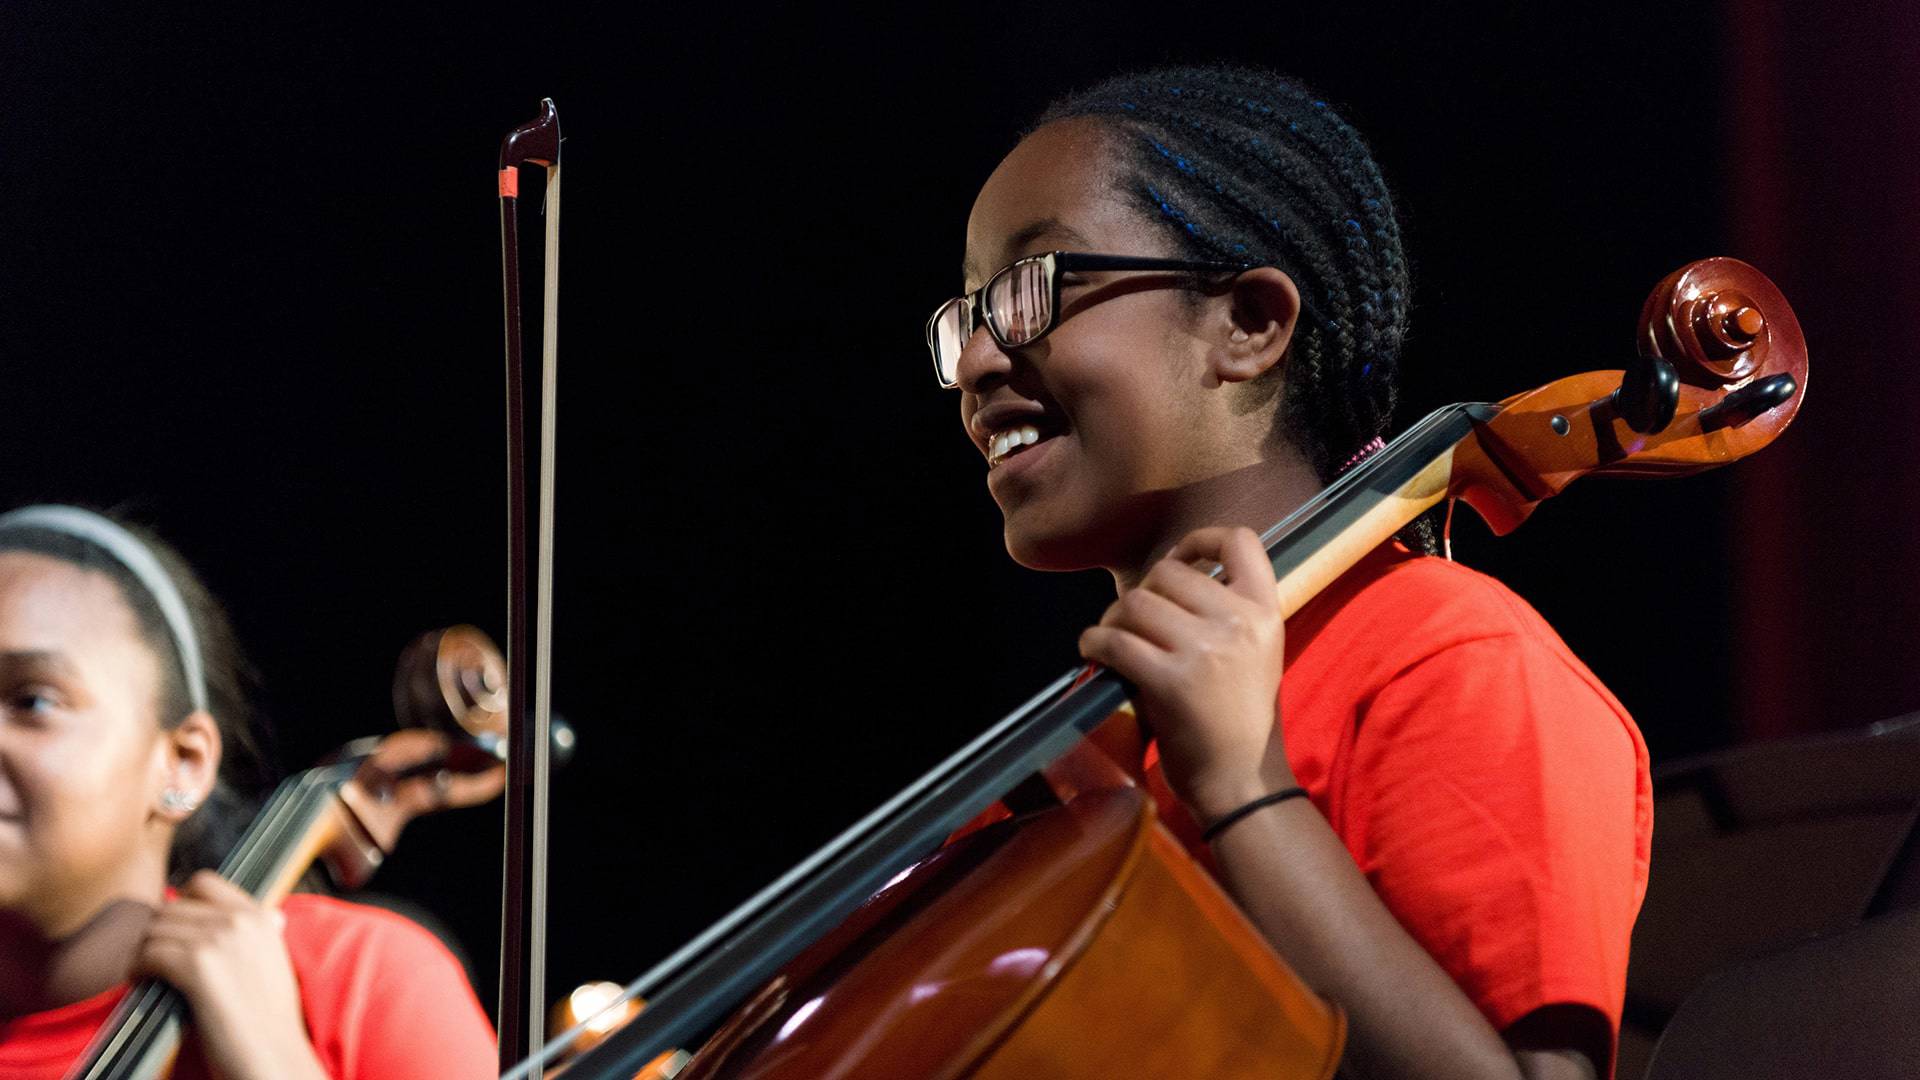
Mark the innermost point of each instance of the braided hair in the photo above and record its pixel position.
(1249, 167)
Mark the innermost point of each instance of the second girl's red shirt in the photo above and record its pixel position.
(383, 999)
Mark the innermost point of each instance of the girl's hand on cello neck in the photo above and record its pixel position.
(1204, 655)
(224, 951)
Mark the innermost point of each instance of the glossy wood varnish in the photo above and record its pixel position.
(1081, 942)
(1721, 324)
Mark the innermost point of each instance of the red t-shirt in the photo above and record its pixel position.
(384, 1000)
(1493, 792)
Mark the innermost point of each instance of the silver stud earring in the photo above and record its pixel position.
(175, 801)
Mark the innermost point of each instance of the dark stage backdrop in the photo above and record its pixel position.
(251, 296)
(1825, 185)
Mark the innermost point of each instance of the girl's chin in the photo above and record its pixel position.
(1068, 529)
(1049, 549)
(1044, 561)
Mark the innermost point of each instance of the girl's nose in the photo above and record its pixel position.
(982, 363)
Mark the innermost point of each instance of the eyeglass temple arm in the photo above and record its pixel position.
(1067, 260)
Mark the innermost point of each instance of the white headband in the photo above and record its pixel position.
(133, 554)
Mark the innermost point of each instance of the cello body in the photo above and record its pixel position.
(1078, 941)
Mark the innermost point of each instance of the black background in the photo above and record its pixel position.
(251, 295)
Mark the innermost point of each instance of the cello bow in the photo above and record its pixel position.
(523, 890)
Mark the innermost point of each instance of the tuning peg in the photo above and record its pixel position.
(1748, 402)
(1649, 392)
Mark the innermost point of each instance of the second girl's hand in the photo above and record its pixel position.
(225, 952)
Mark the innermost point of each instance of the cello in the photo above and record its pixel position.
(996, 954)
(347, 814)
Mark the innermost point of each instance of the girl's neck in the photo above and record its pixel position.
(41, 970)
(1257, 496)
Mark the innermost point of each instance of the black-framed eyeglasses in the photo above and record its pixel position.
(1021, 302)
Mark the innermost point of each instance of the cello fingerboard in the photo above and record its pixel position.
(142, 1035)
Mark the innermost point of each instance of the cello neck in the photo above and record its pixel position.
(300, 822)
(1368, 504)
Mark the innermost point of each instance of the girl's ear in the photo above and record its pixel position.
(190, 765)
(1256, 324)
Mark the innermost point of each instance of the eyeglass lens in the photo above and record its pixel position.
(951, 327)
(1019, 308)
(1019, 302)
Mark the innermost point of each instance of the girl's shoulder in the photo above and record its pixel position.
(1399, 610)
(326, 933)
(383, 996)
(1425, 603)
(1395, 577)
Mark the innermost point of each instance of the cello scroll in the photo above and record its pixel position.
(449, 696)
(1736, 373)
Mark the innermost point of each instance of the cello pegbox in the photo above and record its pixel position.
(1648, 395)
(1749, 403)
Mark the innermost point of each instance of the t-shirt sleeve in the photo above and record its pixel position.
(389, 1002)
(1500, 816)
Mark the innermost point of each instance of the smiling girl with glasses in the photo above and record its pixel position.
(1464, 868)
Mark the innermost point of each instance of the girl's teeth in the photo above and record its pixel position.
(1007, 441)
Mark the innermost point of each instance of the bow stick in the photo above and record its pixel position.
(523, 891)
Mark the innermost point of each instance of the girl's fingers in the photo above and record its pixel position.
(214, 889)
(1180, 582)
(179, 935)
(201, 917)
(1202, 545)
(1133, 656)
(1246, 568)
(188, 913)
(163, 953)
(1163, 622)
(167, 958)
(1249, 570)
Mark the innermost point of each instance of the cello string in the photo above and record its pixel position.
(240, 865)
(254, 857)
(156, 1006)
(1359, 475)
(669, 967)
(153, 1003)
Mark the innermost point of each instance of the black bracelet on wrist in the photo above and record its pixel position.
(1224, 823)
